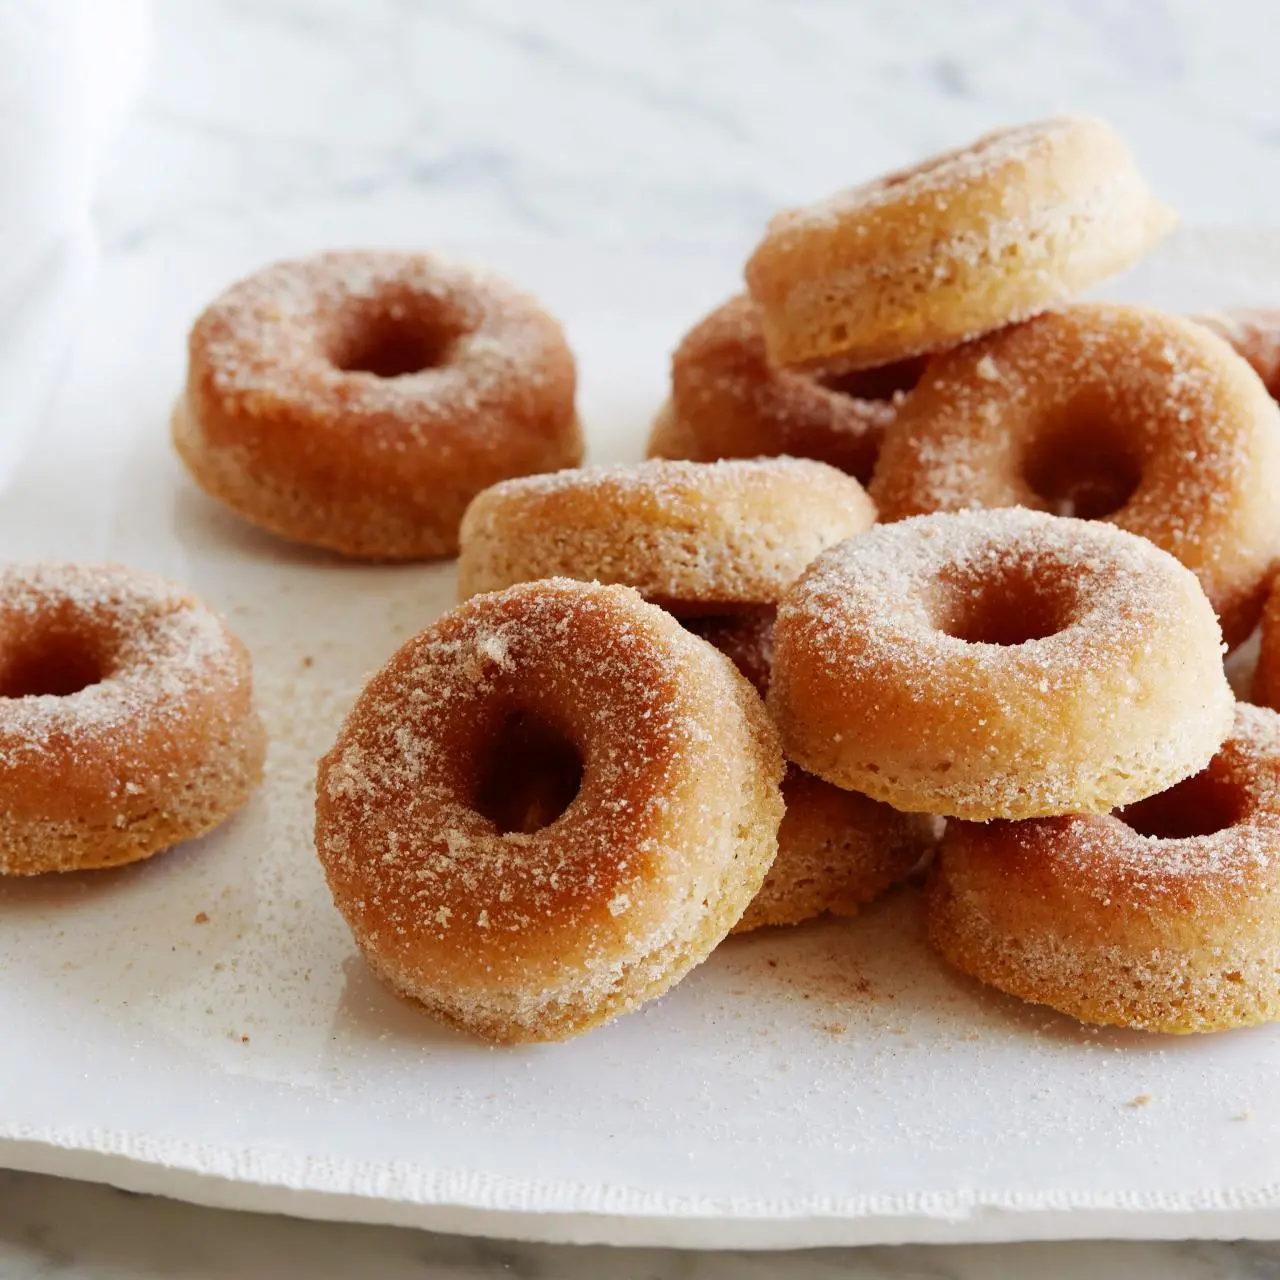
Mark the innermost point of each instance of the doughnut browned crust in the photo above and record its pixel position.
(999, 664)
(1103, 410)
(697, 537)
(837, 850)
(1266, 676)
(359, 401)
(126, 718)
(957, 246)
(1173, 926)
(522, 926)
(729, 401)
(1254, 332)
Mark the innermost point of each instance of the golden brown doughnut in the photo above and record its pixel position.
(1266, 675)
(1254, 333)
(1111, 411)
(708, 537)
(957, 246)
(506, 924)
(837, 850)
(126, 718)
(1164, 916)
(359, 401)
(999, 664)
(729, 401)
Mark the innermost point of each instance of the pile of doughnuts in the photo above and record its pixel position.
(928, 578)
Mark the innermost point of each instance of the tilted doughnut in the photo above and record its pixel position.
(537, 929)
(359, 401)
(1164, 916)
(709, 537)
(126, 718)
(954, 247)
(1103, 410)
(728, 400)
(999, 664)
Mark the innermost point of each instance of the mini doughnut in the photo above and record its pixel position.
(359, 401)
(1110, 411)
(837, 850)
(126, 718)
(506, 925)
(1162, 917)
(1254, 333)
(999, 664)
(1266, 675)
(709, 537)
(729, 401)
(957, 246)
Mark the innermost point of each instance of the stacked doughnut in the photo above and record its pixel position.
(921, 539)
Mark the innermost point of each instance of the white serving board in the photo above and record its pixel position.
(829, 1084)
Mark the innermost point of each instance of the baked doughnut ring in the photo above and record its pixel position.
(1266, 675)
(709, 537)
(961, 244)
(359, 401)
(1101, 410)
(729, 401)
(999, 664)
(126, 718)
(1254, 333)
(837, 850)
(1162, 917)
(517, 929)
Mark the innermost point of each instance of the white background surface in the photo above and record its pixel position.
(624, 122)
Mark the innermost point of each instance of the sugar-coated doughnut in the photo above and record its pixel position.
(126, 718)
(728, 400)
(1163, 917)
(1254, 332)
(1103, 410)
(837, 850)
(535, 927)
(359, 401)
(999, 664)
(696, 537)
(1266, 675)
(954, 247)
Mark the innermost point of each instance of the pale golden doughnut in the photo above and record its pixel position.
(1176, 929)
(1104, 410)
(1254, 332)
(1266, 675)
(957, 246)
(999, 664)
(126, 718)
(494, 920)
(728, 400)
(708, 537)
(359, 401)
(837, 850)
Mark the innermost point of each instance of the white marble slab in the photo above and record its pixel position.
(569, 118)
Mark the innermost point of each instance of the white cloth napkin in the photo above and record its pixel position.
(69, 71)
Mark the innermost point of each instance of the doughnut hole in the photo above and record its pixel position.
(886, 383)
(49, 664)
(391, 337)
(1201, 806)
(1082, 469)
(529, 775)
(1005, 605)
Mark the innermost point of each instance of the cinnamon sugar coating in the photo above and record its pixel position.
(126, 718)
(999, 664)
(954, 247)
(542, 929)
(1163, 917)
(1142, 418)
(697, 537)
(358, 401)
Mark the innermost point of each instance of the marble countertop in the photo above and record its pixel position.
(573, 119)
